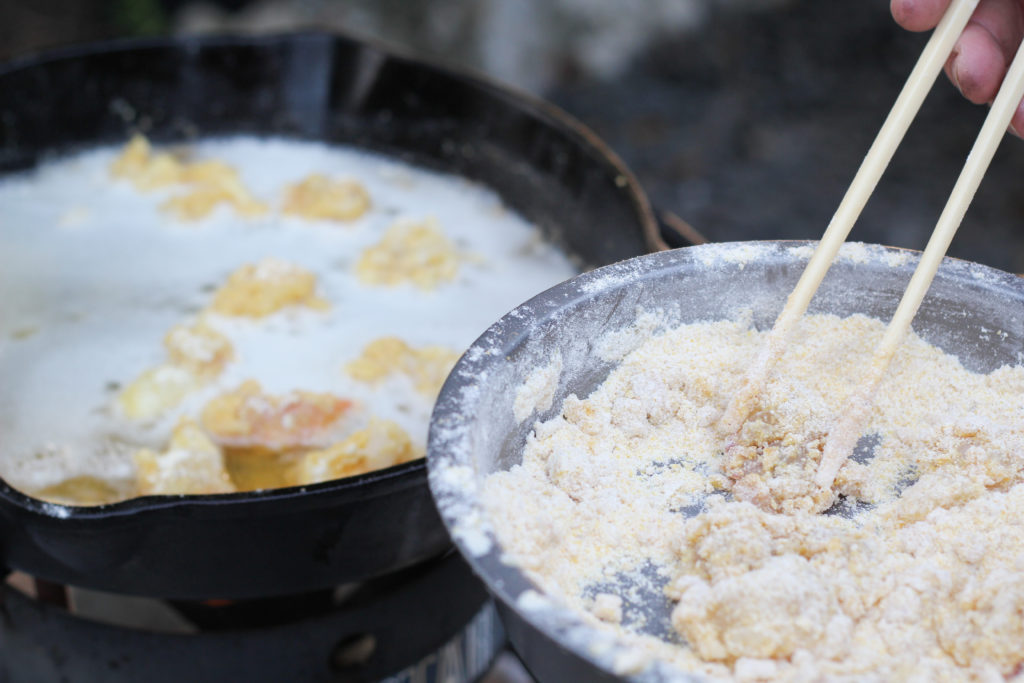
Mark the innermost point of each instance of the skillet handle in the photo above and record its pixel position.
(677, 232)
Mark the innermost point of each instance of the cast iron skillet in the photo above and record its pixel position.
(473, 431)
(311, 86)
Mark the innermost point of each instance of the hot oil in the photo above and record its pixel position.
(254, 469)
(84, 490)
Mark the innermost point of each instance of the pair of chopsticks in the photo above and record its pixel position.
(844, 435)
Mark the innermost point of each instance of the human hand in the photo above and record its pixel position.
(984, 50)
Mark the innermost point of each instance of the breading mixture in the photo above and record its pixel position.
(917, 573)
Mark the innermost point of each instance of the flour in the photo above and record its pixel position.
(914, 575)
(538, 391)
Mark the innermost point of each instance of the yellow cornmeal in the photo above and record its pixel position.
(208, 183)
(317, 197)
(257, 290)
(427, 367)
(410, 252)
(926, 583)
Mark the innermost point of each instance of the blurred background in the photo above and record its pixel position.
(748, 118)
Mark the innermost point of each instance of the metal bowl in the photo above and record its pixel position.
(474, 433)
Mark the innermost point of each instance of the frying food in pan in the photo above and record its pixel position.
(543, 164)
(310, 301)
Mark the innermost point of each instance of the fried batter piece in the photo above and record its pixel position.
(156, 391)
(381, 444)
(427, 366)
(147, 171)
(211, 182)
(317, 197)
(415, 252)
(192, 464)
(198, 348)
(257, 290)
(197, 353)
(249, 418)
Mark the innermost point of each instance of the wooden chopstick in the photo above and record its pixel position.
(843, 437)
(907, 104)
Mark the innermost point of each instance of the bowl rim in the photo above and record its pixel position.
(454, 483)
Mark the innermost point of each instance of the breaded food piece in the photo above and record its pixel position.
(427, 367)
(413, 252)
(198, 348)
(192, 464)
(197, 353)
(147, 171)
(213, 182)
(317, 197)
(257, 290)
(132, 159)
(381, 444)
(247, 417)
(156, 391)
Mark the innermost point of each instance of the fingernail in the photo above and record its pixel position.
(954, 72)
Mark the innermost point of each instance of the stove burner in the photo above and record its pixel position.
(429, 623)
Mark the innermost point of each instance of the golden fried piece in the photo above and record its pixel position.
(427, 367)
(317, 197)
(256, 290)
(192, 464)
(213, 182)
(248, 418)
(145, 170)
(381, 444)
(418, 253)
(156, 391)
(197, 353)
(198, 348)
(132, 159)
